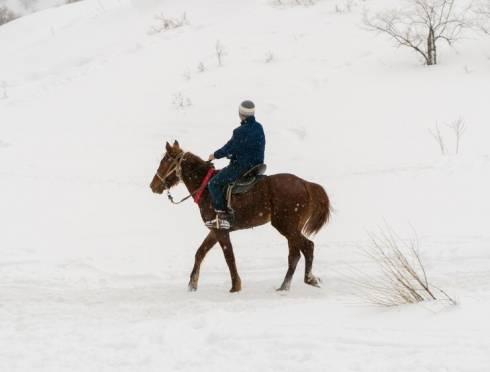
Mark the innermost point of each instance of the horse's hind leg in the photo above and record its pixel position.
(290, 232)
(225, 243)
(307, 249)
(201, 252)
(293, 258)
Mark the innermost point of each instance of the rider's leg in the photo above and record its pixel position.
(217, 189)
(217, 186)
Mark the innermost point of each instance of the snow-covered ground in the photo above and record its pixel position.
(94, 267)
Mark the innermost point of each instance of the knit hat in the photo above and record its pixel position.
(247, 108)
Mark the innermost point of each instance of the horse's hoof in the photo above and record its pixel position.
(313, 281)
(283, 287)
(192, 287)
(236, 288)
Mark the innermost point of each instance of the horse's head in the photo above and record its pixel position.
(167, 173)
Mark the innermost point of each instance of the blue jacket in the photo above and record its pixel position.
(247, 145)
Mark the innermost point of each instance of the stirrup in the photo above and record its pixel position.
(220, 222)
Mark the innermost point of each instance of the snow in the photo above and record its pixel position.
(94, 266)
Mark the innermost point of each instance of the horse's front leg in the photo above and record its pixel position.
(225, 243)
(201, 252)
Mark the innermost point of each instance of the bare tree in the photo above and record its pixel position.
(422, 26)
(483, 13)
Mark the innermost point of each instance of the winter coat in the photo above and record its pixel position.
(247, 145)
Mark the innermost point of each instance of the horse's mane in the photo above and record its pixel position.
(197, 163)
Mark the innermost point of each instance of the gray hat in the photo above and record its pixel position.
(247, 108)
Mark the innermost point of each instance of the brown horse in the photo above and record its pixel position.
(295, 207)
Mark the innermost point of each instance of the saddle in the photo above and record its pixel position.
(245, 182)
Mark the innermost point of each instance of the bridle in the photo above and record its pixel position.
(176, 167)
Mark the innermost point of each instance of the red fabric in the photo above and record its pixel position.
(205, 181)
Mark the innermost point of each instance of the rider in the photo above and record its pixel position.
(245, 150)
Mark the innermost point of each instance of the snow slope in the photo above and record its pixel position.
(94, 266)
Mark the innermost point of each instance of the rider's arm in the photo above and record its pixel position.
(227, 150)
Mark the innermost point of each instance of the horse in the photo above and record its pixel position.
(296, 208)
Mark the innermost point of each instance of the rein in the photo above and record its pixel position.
(197, 193)
(171, 198)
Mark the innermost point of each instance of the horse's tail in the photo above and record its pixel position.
(318, 209)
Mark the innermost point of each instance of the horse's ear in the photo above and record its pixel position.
(168, 147)
(176, 144)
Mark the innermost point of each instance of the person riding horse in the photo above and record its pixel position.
(295, 207)
(245, 150)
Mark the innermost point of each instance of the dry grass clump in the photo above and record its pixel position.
(165, 23)
(402, 278)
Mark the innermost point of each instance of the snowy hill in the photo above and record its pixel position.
(94, 266)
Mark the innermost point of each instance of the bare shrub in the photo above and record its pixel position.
(201, 67)
(180, 101)
(437, 135)
(402, 278)
(269, 57)
(422, 25)
(220, 52)
(6, 15)
(166, 23)
(187, 75)
(3, 85)
(345, 7)
(294, 2)
(28, 5)
(458, 128)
